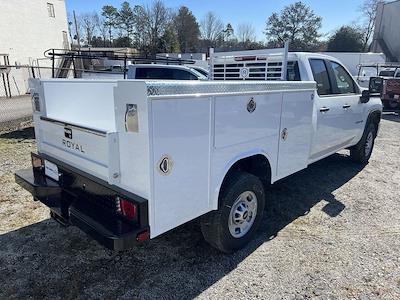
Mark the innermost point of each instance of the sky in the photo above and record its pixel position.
(334, 13)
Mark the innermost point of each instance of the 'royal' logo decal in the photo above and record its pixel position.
(73, 146)
(68, 133)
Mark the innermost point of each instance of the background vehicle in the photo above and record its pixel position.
(164, 72)
(147, 71)
(201, 70)
(129, 160)
(391, 92)
(352, 61)
(389, 86)
(390, 72)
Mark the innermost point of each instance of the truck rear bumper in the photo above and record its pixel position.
(70, 206)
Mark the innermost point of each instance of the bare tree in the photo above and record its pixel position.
(102, 29)
(157, 18)
(211, 28)
(368, 10)
(89, 23)
(246, 33)
(228, 31)
(140, 22)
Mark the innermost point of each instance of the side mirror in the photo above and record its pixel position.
(375, 85)
(365, 95)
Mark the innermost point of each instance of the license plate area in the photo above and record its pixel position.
(51, 170)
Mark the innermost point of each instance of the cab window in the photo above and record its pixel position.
(152, 73)
(164, 74)
(342, 82)
(320, 73)
(293, 72)
(182, 75)
(386, 73)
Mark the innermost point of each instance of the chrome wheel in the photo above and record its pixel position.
(369, 143)
(242, 215)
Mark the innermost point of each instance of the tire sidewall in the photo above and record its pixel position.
(370, 128)
(245, 182)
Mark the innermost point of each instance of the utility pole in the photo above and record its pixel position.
(77, 32)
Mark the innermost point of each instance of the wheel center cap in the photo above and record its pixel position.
(245, 214)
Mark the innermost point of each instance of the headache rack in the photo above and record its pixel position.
(84, 60)
(378, 67)
(263, 64)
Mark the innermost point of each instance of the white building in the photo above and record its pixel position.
(27, 29)
(386, 36)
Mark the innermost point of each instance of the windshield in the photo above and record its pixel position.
(386, 73)
(198, 74)
(201, 71)
(368, 71)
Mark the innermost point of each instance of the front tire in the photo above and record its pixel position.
(233, 225)
(361, 152)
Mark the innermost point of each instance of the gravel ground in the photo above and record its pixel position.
(330, 232)
(15, 108)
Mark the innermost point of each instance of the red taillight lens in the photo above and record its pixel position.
(244, 58)
(127, 208)
(143, 236)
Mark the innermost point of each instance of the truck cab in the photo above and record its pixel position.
(338, 113)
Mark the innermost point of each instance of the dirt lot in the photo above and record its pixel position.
(330, 232)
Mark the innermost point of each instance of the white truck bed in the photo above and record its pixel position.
(202, 128)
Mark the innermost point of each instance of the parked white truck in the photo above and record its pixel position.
(128, 160)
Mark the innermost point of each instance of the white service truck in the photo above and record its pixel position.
(128, 160)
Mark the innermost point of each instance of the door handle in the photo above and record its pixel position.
(346, 106)
(324, 109)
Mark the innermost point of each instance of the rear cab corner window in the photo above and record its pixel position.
(293, 71)
(320, 74)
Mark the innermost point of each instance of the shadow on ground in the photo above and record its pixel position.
(23, 134)
(44, 260)
(391, 116)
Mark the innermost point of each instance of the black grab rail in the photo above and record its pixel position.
(71, 57)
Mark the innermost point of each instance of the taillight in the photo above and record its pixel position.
(245, 58)
(143, 236)
(126, 208)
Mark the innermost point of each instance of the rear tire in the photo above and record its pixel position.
(361, 152)
(233, 225)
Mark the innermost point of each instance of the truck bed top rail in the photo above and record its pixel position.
(209, 88)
